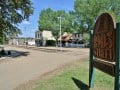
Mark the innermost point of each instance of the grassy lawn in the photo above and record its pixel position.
(66, 78)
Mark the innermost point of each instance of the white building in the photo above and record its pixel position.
(42, 36)
(31, 41)
(21, 41)
(13, 41)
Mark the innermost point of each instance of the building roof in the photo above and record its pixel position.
(67, 37)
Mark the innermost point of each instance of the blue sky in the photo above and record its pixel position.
(29, 27)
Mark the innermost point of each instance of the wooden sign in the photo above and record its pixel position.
(106, 67)
(105, 49)
(104, 38)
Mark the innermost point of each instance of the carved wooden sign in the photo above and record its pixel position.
(104, 38)
(108, 68)
(105, 49)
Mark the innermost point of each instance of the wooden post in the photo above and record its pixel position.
(117, 66)
(91, 68)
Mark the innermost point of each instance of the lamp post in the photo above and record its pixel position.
(60, 33)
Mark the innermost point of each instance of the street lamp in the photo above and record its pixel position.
(60, 33)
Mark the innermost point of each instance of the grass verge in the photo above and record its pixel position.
(71, 78)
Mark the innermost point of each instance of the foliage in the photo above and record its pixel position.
(45, 19)
(13, 12)
(48, 20)
(81, 19)
(50, 43)
(87, 11)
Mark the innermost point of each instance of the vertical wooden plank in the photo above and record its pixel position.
(117, 67)
(91, 68)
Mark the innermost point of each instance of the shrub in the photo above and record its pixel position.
(2, 52)
(50, 43)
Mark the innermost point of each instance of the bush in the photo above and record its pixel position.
(50, 43)
(2, 52)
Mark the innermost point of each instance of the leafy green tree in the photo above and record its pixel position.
(13, 12)
(87, 11)
(65, 22)
(48, 20)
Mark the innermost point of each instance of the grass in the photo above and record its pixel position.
(64, 79)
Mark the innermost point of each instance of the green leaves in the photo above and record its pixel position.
(87, 11)
(13, 12)
(48, 20)
(81, 19)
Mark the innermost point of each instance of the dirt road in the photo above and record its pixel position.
(25, 64)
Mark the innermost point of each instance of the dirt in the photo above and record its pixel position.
(29, 65)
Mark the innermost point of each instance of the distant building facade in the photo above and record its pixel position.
(13, 41)
(21, 41)
(31, 41)
(41, 37)
(77, 38)
(66, 39)
(72, 40)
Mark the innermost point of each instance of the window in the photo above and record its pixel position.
(35, 35)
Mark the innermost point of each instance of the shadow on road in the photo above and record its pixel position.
(80, 84)
(14, 53)
(53, 50)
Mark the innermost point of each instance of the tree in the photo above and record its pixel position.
(87, 11)
(13, 12)
(48, 20)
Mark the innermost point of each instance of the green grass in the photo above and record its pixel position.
(63, 79)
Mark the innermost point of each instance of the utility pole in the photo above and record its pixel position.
(60, 33)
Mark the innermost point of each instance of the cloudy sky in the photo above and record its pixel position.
(29, 27)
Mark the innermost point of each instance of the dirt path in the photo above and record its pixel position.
(27, 64)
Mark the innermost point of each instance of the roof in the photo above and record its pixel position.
(67, 37)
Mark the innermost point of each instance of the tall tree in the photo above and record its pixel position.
(13, 12)
(87, 11)
(48, 20)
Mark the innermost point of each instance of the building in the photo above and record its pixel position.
(72, 40)
(13, 41)
(66, 39)
(41, 37)
(30, 41)
(77, 40)
(21, 41)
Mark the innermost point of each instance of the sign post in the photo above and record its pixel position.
(117, 66)
(104, 49)
(91, 68)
